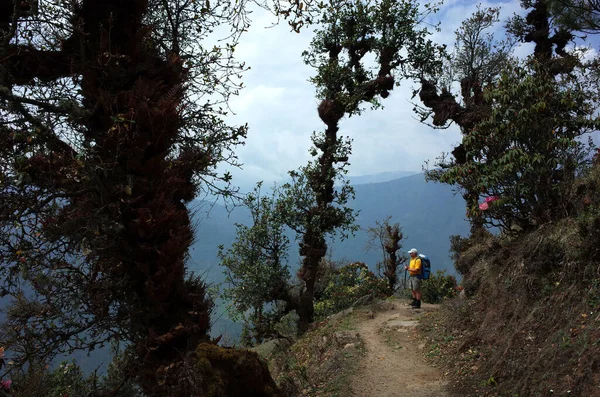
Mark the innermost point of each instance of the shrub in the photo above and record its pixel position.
(587, 203)
(438, 287)
(68, 379)
(345, 286)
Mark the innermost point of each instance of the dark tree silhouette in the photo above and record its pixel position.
(102, 149)
(352, 30)
(541, 138)
(388, 238)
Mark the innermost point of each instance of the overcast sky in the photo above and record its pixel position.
(279, 105)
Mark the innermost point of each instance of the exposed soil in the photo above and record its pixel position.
(393, 365)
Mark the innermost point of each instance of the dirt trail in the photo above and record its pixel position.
(393, 366)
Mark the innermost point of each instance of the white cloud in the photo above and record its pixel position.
(279, 106)
(393, 139)
(255, 97)
(585, 52)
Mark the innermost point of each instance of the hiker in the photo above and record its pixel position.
(414, 269)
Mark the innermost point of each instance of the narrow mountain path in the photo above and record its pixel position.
(393, 365)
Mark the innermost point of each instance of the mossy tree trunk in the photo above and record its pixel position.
(352, 30)
(119, 196)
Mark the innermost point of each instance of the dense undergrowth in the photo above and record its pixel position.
(529, 321)
(322, 361)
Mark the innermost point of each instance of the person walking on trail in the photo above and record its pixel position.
(414, 269)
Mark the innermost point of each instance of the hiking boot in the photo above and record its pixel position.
(414, 302)
(417, 305)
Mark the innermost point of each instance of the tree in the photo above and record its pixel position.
(528, 154)
(388, 238)
(390, 31)
(313, 224)
(256, 268)
(347, 285)
(474, 65)
(262, 290)
(524, 152)
(578, 15)
(104, 140)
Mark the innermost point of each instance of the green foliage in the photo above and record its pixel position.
(353, 28)
(527, 153)
(345, 286)
(259, 325)
(477, 54)
(438, 287)
(526, 156)
(389, 30)
(579, 15)
(316, 209)
(256, 265)
(256, 268)
(476, 61)
(473, 66)
(522, 147)
(120, 372)
(68, 380)
(288, 325)
(37, 381)
(297, 197)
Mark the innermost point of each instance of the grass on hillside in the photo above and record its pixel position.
(532, 325)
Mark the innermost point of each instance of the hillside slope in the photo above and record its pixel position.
(530, 324)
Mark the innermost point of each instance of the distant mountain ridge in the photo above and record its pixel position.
(379, 177)
(428, 213)
(246, 186)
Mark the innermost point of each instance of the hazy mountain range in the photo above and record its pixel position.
(427, 212)
(379, 177)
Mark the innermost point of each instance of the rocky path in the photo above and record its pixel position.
(393, 366)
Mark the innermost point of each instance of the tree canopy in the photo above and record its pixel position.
(393, 33)
(522, 123)
(112, 121)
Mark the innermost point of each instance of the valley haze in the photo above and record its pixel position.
(429, 213)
